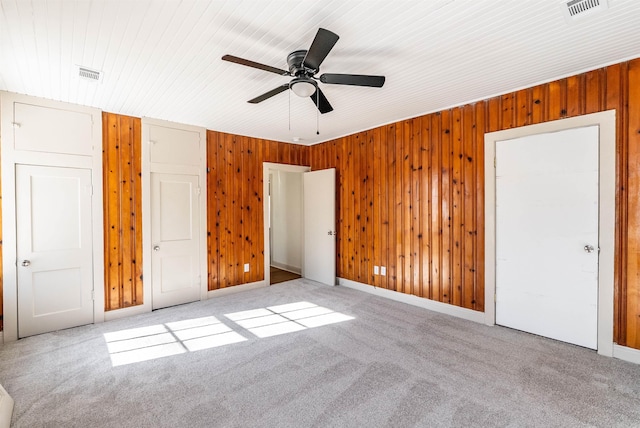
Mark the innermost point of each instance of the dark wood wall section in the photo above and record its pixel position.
(410, 199)
(235, 223)
(411, 194)
(122, 187)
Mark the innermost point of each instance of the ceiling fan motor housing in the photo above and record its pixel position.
(294, 60)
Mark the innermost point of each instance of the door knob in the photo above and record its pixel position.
(156, 248)
(589, 248)
(26, 263)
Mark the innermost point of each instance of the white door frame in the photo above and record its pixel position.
(606, 222)
(266, 166)
(147, 168)
(11, 157)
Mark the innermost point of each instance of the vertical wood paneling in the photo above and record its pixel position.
(428, 191)
(235, 219)
(392, 274)
(122, 211)
(425, 208)
(632, 297)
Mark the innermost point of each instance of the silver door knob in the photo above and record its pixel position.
(26, 263)
(156, 248)
(589, 248)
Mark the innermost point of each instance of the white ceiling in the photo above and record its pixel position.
(161, 59)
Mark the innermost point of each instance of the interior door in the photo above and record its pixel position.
(547, 235)
(319, 226)
(175, 231)
(54, 248)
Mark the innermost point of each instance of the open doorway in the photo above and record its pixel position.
(283, 217)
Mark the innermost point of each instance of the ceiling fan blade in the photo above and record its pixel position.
(321, 101)
(254, 64)
(353, 79)
(269, 94)
(320, 48)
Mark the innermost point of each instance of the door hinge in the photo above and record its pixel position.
(197, 190)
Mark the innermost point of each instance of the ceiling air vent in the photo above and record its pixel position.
(575, 9)
(88, 74)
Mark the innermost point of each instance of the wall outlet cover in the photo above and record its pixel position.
(246, 267)
(376, 270)
(383, 270)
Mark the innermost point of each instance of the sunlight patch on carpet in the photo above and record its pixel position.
(289, 318)
(178, 337)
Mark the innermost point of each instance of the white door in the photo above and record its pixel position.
(547, 235)
(319, 226)
(54, 248)
(175, 233)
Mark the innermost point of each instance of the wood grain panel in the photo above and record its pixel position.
(428, 219)
(632, 295)
(235, 220)
(122, 185)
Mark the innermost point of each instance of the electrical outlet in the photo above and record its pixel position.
(246, 267)
(383, 270)
(376, 270)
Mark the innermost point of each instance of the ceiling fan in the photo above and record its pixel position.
(303, 67)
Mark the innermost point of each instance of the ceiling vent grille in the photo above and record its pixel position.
(578, 8)
(88, 74)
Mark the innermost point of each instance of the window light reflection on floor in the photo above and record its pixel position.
(163, 340)
(173, 338)
(275, 320)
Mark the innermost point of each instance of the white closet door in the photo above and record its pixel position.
(54, 248)
(547, 235)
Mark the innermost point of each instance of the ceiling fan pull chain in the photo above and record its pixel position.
(289, 111)
(318, 111)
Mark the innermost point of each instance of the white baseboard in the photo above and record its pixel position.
(288, 268)
(409, 299)
(6, 408)
(627, 354)
(236, 289)
(126, 312)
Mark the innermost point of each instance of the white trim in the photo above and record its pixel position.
(266, 166)
(236, 289)
(6, 408)
(410, 299)
(147, 168)
(627, 354)
(10, 158)
(606, 228)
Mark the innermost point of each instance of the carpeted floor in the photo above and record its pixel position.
(383, 364)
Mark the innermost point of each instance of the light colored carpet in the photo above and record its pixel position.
(391, 365)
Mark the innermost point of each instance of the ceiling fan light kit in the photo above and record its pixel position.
(303, 87)
(303, 67)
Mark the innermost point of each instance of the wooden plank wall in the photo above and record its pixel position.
(410, 199)
(235, 223)
(122, 168)
(410, 194)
